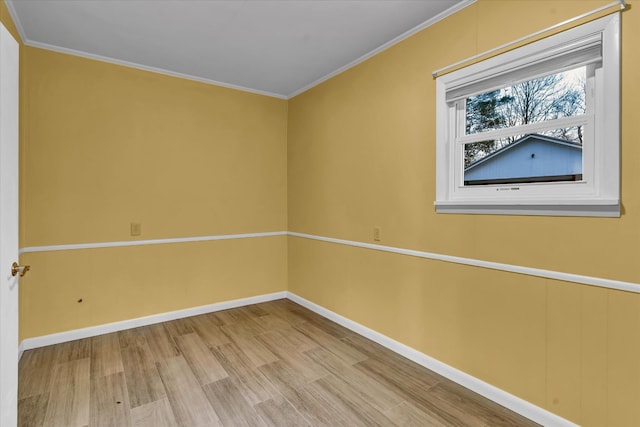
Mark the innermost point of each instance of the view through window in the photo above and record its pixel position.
(547, 155)
(534, 130)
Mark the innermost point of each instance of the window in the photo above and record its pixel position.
(534, 130)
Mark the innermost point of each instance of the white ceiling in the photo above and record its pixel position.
(278, 48)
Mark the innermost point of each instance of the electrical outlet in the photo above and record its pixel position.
(377, 231)
(136, 229)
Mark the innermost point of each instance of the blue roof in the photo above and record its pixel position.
(523, 140)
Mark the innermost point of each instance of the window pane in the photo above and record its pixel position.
(545, 98)
(551, 156)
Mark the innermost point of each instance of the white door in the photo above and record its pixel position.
(8, 228)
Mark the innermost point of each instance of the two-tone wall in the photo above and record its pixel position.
(103, 146)
(361, 154)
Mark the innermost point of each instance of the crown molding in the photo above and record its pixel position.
(16, 21)
(156, 70)
(383, 47)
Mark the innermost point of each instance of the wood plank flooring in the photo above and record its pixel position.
(271, 364)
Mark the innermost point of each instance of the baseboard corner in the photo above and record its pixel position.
(76, 334)
(495, 394)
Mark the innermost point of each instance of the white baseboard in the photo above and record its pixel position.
(20, 351)
(501, 397)
(92, 331)
(516, 404)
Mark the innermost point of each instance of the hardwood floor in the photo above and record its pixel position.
(270, 364)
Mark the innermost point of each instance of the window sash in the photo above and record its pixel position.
(599, 192)
(584, 51)
(532, 190)
(460, 139)
(537, 127)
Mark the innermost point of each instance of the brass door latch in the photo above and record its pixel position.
(22, 269)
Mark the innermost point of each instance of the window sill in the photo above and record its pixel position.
(593, 208)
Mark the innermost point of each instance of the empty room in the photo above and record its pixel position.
(319, 213)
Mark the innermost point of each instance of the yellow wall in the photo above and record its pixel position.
(361, 153)
(5, 18)
(104, 146)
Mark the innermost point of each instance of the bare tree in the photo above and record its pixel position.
(483, 113)
(544, 98)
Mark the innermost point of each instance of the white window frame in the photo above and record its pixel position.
(598, 194)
